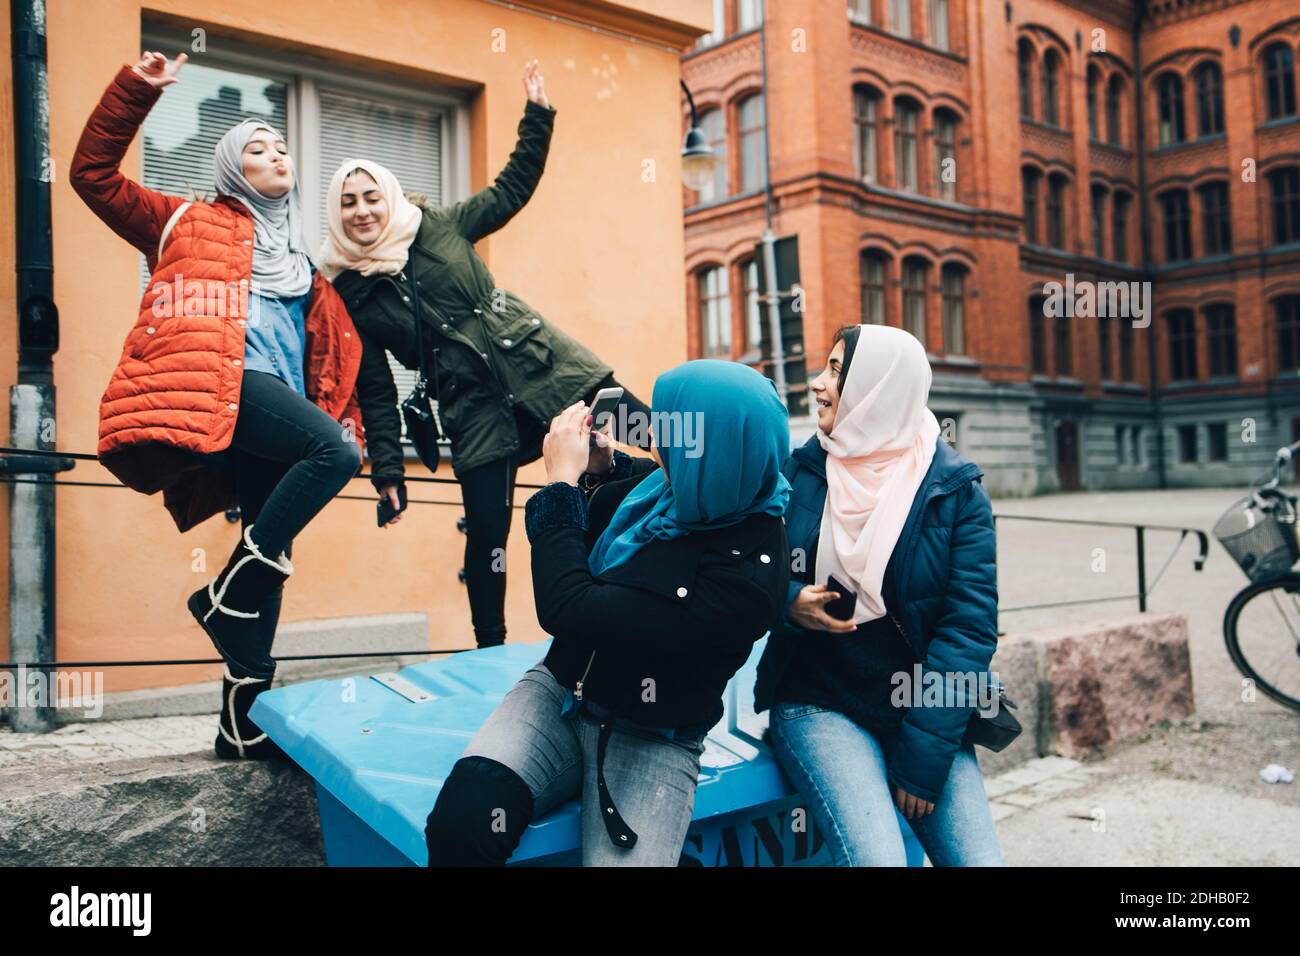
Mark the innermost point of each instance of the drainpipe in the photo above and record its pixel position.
(31, 399)
(771, 292)
(1144, 220)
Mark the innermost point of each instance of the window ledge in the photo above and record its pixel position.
(1280, 121)
(713, 203)
(1132, 388)
(956, 361)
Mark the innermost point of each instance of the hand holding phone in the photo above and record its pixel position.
(386, 512)
(603, 408)
(843, 606)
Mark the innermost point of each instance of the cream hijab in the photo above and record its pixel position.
(388, 253)
(879, 449)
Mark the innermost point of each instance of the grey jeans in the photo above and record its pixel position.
(650, 778)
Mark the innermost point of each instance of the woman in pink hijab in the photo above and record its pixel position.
(880, 662)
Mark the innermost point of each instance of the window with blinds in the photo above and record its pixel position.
(327, 120)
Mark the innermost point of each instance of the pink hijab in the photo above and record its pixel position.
(879, 449)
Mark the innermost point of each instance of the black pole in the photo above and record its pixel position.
(1144, 223)
(31, 399)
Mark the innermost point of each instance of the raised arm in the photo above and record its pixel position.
(135, 212)
(489, 209)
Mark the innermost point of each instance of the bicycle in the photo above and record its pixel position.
(1259, 532)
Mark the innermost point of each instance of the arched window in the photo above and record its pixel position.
(1169, 91)
(1216, 224)
(1279, 80)
(1062, 344)
(1209, 100)
(953, 284)
(1051, 73)
(1037, 335)
(866, 120)
(945, 153)
(753, 157)
(754, 317)
(749, 14)
(1221, 335)
(872, 267)
(914, 273)
(1126, 352)
(1286, 319)
(1056, 211)
(1093, 92)
(906, 123)
(1119, 209)
(1178, 225)
(1105, 362)
(938, 13)
(1099, 221)
(713, 125)
(714, 297)
(1181, 327)
(1029, 178)
(1025, 68)
(900, 17)
(1114, 96)
(1284, 189)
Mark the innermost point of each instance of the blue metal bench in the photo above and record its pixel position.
(379, 749)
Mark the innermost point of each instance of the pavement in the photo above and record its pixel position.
(1187, 793)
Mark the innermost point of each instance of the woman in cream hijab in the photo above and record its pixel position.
(869, 677)
(500, 371)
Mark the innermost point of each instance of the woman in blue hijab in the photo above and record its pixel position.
(654, 578)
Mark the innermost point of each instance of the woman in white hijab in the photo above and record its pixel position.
(875, 670)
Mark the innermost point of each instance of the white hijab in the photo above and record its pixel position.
(880, 447)
(387, 255)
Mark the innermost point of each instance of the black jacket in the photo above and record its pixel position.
(658, 636)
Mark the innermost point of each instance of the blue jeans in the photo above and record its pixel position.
(840, 769)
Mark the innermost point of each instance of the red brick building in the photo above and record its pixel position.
(943, 163)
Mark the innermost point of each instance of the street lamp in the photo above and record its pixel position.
(698, 158)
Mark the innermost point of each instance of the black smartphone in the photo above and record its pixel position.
(604, 405)
(385, 508)
(842, 607)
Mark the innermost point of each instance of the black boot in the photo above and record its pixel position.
(491, 636)
(237, 736)
(227, 608)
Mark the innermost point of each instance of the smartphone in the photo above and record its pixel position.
(385, 508)
(842, 607)
(605, 405)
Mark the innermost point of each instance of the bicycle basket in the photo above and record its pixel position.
(1262, 540)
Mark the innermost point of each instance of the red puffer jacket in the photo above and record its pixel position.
(176, 387)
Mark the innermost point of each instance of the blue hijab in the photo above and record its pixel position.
(722, 434)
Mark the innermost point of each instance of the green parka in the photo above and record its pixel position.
(494, 352)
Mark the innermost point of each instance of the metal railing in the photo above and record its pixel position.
(16, 461)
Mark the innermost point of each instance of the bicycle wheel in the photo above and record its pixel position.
(1262, 631)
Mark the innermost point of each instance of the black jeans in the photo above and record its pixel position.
(289, 458)
(488, 494)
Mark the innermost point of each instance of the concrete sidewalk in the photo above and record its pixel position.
(149, 791)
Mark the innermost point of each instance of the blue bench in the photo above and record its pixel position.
(380, 747)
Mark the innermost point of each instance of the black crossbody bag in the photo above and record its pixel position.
(422, 426)
(995, 732)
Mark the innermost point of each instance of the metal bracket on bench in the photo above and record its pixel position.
(400, 685)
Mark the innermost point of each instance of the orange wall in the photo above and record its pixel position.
(598, 251)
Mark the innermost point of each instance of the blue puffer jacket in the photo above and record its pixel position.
(945, 572)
